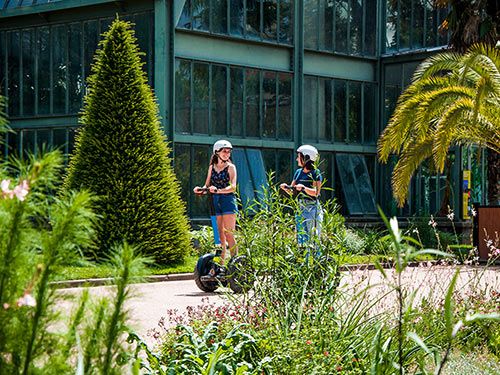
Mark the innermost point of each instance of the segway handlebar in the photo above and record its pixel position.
(203, 190)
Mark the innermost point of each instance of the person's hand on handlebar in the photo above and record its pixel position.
(200, 190)
(299, 187)
(213, 189)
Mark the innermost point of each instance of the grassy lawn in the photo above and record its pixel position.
(92, 270)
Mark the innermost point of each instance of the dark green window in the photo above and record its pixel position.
(269, 108)
(252, 100)
(336, 108)
(46, 67)
(284, 106)
(183, 96)
(219, 99)
(413, 24)
(263, 20)
(200, 98)
(237, 79)
(280, 163)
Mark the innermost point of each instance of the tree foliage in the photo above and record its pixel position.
(454, 99)
(122, 155)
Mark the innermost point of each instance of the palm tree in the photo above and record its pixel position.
(454, 99)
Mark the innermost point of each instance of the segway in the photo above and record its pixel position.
(208, 275)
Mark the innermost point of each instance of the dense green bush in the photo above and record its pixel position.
(39, 234)
(122, 156)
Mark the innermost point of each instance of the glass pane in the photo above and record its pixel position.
(200, 98)
(418, 24)
(182, 96)
(60, 67)
(3, 53)
(28, 142)
(236, 127)
(325, 110)
(144, 30)
(326, 168)
(13, 144)
(310, 127)
(71, 139)
(201, 14)
(269, 157)
(201, 160)
(311, 24)
(326, 25)
(285, 106)
(370, 27)
(270, 19)
(13, 71)
(363, 183)
(349, 184)
(252, 82)
(404, 24)
(219, 99)
(391, 98)
(59, 140)
(269, 104)
(286, 21)
(105, 24)
(182, 158)
(28, 71)
(237, 14)
(43, 70)
(339, 110)
(355, 112)
(391, 25)
(369, 113)
(76, 86)
(341, 19)
(42, 139)
(356, 27)
(284, 171)
(431, 24)
(219, 16)
(443, 35)
(253, 19)
(90, 41)
(185, 19)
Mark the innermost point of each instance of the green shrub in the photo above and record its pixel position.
(122, 156)
(38, 235)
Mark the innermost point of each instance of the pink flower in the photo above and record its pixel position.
(26, 300)
(21, 190)
(309, 342)
(6, 306)
(5, 186)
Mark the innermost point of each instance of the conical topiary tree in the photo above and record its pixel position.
(121, 155)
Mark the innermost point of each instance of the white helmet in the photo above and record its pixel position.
(220, 144)
(309, 151)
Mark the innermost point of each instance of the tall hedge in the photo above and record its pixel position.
(122, 155)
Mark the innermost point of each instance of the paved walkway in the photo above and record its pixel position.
(150, 301)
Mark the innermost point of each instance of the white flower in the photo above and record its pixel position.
(473, 212)
(26, 300)
(395, 228)
(5, 186)
(432, 223)
(450, 216)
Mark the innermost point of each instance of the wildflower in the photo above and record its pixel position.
(338, 368)
(432, 223)
(5, 186)
(293, 326)
(21, 190)
(6, 306)
(450, 216)
(26, 300)
(326, 353)
(395, 228)
(473, 212)
(309, 342)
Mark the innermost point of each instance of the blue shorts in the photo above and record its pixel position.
(225, 204)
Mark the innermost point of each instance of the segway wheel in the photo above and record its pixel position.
(202, 269)
(240, 275)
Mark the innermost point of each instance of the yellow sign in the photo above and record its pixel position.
(466, 188)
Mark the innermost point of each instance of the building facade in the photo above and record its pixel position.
(267, 75)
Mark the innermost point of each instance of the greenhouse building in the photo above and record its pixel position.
(266, 75)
